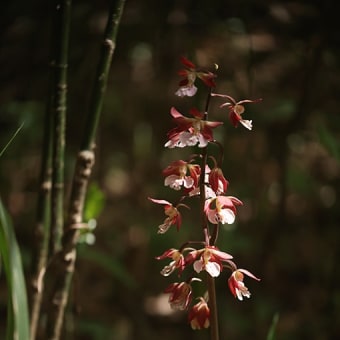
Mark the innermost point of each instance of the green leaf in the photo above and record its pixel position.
(18, 317)
(328, 140)
(272, 329)
(94, 202)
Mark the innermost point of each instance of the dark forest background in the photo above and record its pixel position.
(286, 170)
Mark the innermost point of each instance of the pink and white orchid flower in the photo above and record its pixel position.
(236, 109)
(190, 73)
(218, 182)
(236, 285)
(221, 209)
(190, 131)
(176, 263)
(180, 295)
(199, 315)
(173, 215)
(209, 259)
(176, 175)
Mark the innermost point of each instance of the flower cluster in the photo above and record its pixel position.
(200, 176)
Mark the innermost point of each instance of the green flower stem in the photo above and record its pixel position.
(204, 155)
(214, 333)
(85, 161)
(214, 235)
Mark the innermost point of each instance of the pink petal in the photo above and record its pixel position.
(163, 228)
(234, 117)
(187, 90)
(167, 253)
(223, 96)
(228, 201)
(248, 273)
(213, 269)
(249, 101)
(195, 113)
(159, 201)
(212, 124)
(186, 62)
(213, 217)
(188, 182)
(228, 216)
(220, 254)
(248, 124)
(202, 141)
(174, 113)
(174, 181)
(198, 266)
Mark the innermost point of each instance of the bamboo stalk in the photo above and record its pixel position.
(56, 99)
(62, 22)
(85, 161)
(42, 231)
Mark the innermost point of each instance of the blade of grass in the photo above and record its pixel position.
(11, 140)
(272, 329)
(17, 309)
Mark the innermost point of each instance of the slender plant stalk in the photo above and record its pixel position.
(108, 47)
(214, 333)
(85, 161)
(57, 96)
(42, 231)
(62, 22)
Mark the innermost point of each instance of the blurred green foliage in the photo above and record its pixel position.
(94, 202)
(17, 320)
(286, 170)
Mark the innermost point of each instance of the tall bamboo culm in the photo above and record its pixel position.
(50, 208)
(66, 257)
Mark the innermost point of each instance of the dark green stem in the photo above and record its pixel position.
(108, 48)
(214, 235)
(42, 231)
(214, 333)
(85, 161)
(52, 144)
(202, 197)
(204, 159)
(62, 21)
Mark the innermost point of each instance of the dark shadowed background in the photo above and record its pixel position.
(286, 171)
